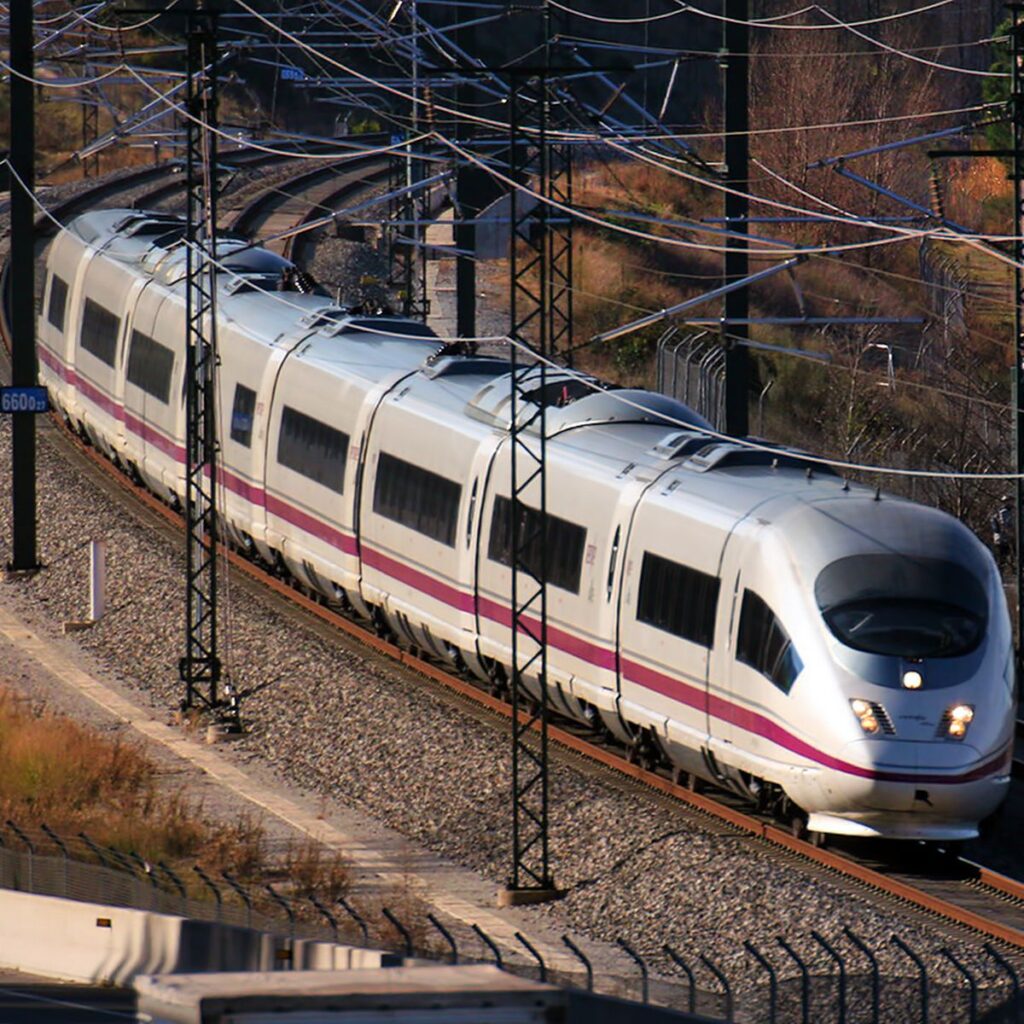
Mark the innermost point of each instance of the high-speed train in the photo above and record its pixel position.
(748, 617)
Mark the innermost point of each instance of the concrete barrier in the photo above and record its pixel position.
(93, 942)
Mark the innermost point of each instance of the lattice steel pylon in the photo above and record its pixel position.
(404, 238)
(540, 318)
(200, 667)
(90, 116)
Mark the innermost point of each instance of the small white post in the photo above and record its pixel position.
(97, 579)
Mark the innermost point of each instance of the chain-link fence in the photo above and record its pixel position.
(796, 980)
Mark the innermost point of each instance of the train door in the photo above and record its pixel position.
(760, 661)
(726, 687)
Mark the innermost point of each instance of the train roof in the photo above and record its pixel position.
(601, 431)
(337, 338)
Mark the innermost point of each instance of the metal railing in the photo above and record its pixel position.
(814, 978)
(691, 368)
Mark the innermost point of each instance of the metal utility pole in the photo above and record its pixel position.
(471, 188)
(735, 63)
(540, 318)
(21, 278)
(1017, 390)
(408, 209)
(200, 667)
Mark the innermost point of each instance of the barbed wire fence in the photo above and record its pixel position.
(818, 977)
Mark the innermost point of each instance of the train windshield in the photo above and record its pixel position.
(901, 606)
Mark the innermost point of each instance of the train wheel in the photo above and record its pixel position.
(798, 825)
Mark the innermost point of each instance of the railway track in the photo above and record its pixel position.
(959, 892)
(955, 890)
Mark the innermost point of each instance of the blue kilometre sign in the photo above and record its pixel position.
(31, 399)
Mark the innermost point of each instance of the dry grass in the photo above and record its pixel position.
(75, 779)
(313, 870)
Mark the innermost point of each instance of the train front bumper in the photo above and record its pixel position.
(905, 790)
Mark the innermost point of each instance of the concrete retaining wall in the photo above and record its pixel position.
(92, 942)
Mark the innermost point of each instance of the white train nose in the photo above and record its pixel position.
(907, 790)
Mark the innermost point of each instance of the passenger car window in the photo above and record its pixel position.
(312, 448)
(242, 415)
(150, 365)
(100, 329)
(565, 542)
(764, 645)
(678, 599)
(57, 306)
(413, 496)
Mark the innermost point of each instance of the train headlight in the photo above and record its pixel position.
(912, 680)
(865, 715)
(958, 718)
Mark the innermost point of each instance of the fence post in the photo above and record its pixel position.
(685, 967)
(922, 974)
(241, 894)
(488, 941)
(805, 981)
(331, 920)
(533, 952)
(31, 852)
(639, 961)
(820, 939)
(582, 957)
(772, 983)
(59, 843)
(447, 936)
(401, 929)
(723, 981)
(97, 579)
(875, 983)
(356, 916)
(178, 884)
(208, 882)
(972, 983)
(1011, 973)
(147, 869)
(283, 903)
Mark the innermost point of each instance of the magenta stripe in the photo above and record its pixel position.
(570, 643)
(421, 581)
(310, 524)
(75, 379)
(760, 725)
(595, 654)
(240, 486)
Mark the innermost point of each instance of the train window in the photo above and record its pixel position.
(565, 542)
(764, 645)
(100, 329)
(416, 498)
(242, 415)
(902, 606)
(58, 302)
(150, 365)
(678, 599)
(313, 449)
